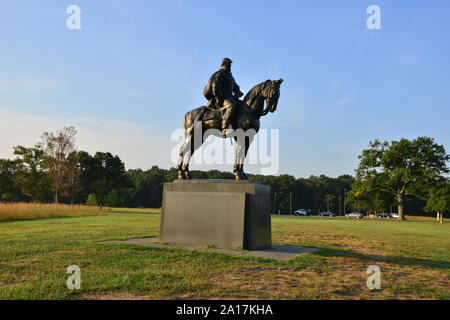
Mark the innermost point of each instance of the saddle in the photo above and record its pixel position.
(216, 114)
(241, 114)
(209, 114)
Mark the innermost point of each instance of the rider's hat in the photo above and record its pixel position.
(226, 60)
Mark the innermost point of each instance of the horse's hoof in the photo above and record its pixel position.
(239, 175)
(181, 175)
(188, 175)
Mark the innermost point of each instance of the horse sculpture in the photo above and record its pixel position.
(245, 120)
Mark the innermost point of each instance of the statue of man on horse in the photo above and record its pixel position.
(225, 111)
(223, 93)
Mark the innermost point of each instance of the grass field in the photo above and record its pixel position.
(414, 258)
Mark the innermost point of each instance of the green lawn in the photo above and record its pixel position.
(414, 258)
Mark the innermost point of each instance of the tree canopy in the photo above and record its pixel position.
(401, 168)
(439, 199)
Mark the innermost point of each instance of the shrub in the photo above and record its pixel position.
(91, 200)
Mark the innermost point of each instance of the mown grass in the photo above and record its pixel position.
(29, 211)
(135, 210)
(413, 256)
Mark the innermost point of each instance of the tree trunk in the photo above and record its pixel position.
(441, 216)
(400, 206)
(56, 197)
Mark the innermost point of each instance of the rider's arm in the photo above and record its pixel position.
(237, 91)
(217, 87)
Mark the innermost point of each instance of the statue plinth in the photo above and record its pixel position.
(221, 213)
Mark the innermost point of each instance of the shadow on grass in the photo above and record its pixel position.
(399, 260)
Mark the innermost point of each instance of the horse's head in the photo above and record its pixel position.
(268, 91)
(271, 94)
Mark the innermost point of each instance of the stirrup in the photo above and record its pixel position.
(226, 131)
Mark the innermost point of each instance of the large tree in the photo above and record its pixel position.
(58, 149)
(402, 168)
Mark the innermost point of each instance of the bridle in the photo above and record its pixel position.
(266, 110)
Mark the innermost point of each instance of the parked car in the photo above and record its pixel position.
(356, 215)
(395, 215)
(300, 212)
(327, 214)
(383, 215)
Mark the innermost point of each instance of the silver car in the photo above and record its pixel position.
(356, 215)
(301, 212)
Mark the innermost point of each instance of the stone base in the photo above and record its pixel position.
(277, 252)
(221, 213)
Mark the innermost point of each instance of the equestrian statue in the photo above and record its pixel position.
(226, 116)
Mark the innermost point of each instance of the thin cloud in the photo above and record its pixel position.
(25, 84)
(134, 144)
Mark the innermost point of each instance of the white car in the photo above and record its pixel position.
(356, 215)
(395, 215)
(300, 212)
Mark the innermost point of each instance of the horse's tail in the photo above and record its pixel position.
(184, 121)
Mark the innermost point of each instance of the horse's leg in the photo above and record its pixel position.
(179, 166)
(237, 164)
(248, 142)
(241, 152)
(185, 148)
(188, 151)
(191, 147)
(187, 140)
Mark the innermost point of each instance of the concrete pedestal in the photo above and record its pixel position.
(221, 213)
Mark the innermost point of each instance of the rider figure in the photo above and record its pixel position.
(223, 92)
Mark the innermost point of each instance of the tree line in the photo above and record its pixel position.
(400, 176)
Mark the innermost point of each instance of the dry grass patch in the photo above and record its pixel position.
(30, 211)
(270, 283)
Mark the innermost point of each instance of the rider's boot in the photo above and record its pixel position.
(226, 130)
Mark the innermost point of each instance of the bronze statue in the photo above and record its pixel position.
(225, 111)
(223, 93)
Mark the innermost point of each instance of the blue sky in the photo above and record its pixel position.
(127, 78)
